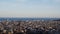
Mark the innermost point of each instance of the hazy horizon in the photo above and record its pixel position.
(30, 8)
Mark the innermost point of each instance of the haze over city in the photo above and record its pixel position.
(29, 16)
(30, 8)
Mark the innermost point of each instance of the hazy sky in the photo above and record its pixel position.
(29, 8)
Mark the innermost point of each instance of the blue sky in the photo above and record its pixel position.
(29, 8)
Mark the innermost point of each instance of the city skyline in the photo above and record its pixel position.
(30, 8)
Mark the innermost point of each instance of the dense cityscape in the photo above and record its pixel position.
(29, 17)
(30, 27)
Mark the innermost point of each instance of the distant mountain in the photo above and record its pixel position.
(57, 20)
(1, 19)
